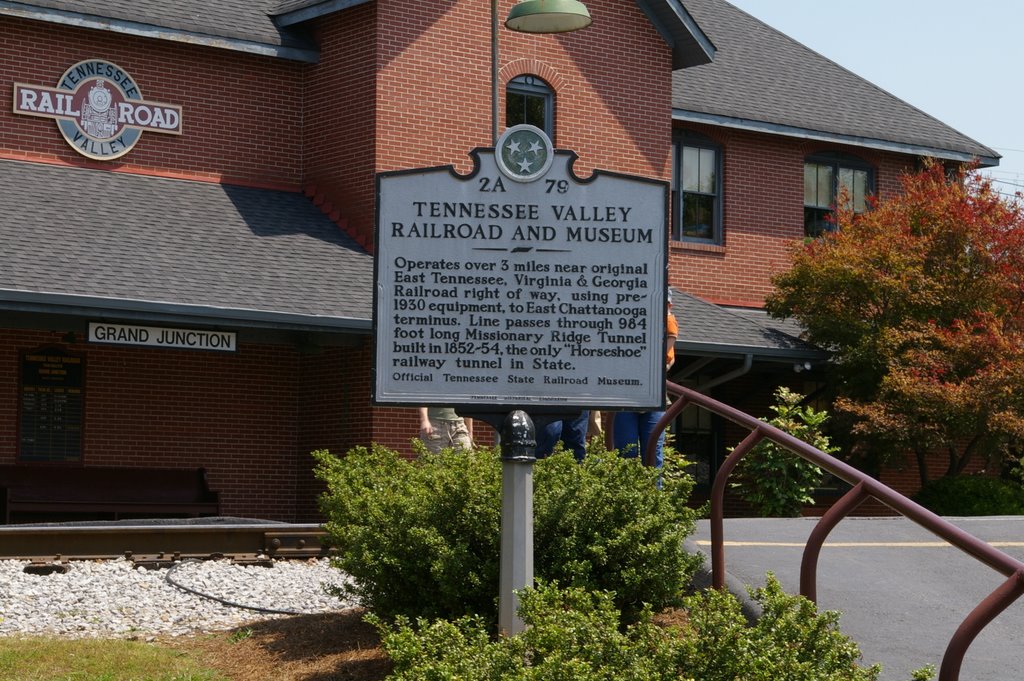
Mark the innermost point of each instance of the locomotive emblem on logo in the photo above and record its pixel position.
(98, 108)
(98, 118)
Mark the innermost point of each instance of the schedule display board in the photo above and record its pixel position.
(519, 283)
(51, 409)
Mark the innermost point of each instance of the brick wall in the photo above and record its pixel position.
(9, 393)
(324, 406)
(420, 96)
(339, 137)
(250, 418)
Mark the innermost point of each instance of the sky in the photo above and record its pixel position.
(960, 62)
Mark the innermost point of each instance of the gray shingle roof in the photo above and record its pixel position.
(708, 329)
(145, 243)
(762, 79)
(247, 20)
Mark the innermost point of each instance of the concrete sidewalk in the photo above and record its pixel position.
(901, 591)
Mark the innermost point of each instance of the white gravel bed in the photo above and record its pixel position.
(116, 599)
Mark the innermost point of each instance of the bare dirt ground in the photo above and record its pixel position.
(329, 647)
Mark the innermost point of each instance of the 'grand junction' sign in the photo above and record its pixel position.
(520, 283)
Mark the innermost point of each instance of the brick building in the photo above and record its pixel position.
(231, 215)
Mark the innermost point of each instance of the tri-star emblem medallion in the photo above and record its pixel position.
(524, 153)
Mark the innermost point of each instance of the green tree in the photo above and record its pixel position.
(921, 302)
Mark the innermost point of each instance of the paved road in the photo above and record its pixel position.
(900, 594)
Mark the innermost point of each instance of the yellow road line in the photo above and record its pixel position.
(865, 544)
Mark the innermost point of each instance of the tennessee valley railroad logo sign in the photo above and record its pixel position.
(99, 109)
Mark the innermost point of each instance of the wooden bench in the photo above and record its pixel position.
(67, 492)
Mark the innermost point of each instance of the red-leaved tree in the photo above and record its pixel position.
(921, 301)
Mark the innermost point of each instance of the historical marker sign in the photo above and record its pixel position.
(520, 284)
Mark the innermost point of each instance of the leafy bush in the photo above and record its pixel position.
(970, 495)
(421, 537)
(416, 537)
(604, 525)
(573, 635)
(774, 480)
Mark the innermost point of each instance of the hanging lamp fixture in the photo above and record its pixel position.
(548, 16)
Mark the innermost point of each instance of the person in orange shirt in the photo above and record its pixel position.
(632, 429)
(671, 334)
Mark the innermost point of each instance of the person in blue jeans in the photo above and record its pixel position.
(632, 429)
(631, 432)
(572, 432)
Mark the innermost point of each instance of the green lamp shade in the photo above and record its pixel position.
(548, 16)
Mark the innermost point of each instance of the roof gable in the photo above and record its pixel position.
(690, 45)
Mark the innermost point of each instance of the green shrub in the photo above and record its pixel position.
(421, 537)
(603, 525)
(791, 640)
(574, 635)
(970, 495)
(418, 538)
(774, 480)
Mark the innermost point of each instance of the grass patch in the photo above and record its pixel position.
(49, 659)
(336, 646)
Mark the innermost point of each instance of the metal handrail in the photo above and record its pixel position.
(863, 488)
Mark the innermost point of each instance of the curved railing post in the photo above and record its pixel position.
(718, 507)
(985, 612)
(809, 563)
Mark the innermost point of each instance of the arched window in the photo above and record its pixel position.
(696, 189)
(528, 99)
(827, 176)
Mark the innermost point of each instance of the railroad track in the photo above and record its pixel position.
(159, 543)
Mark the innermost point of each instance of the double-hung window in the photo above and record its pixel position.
(827, 177)
(696, 189)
